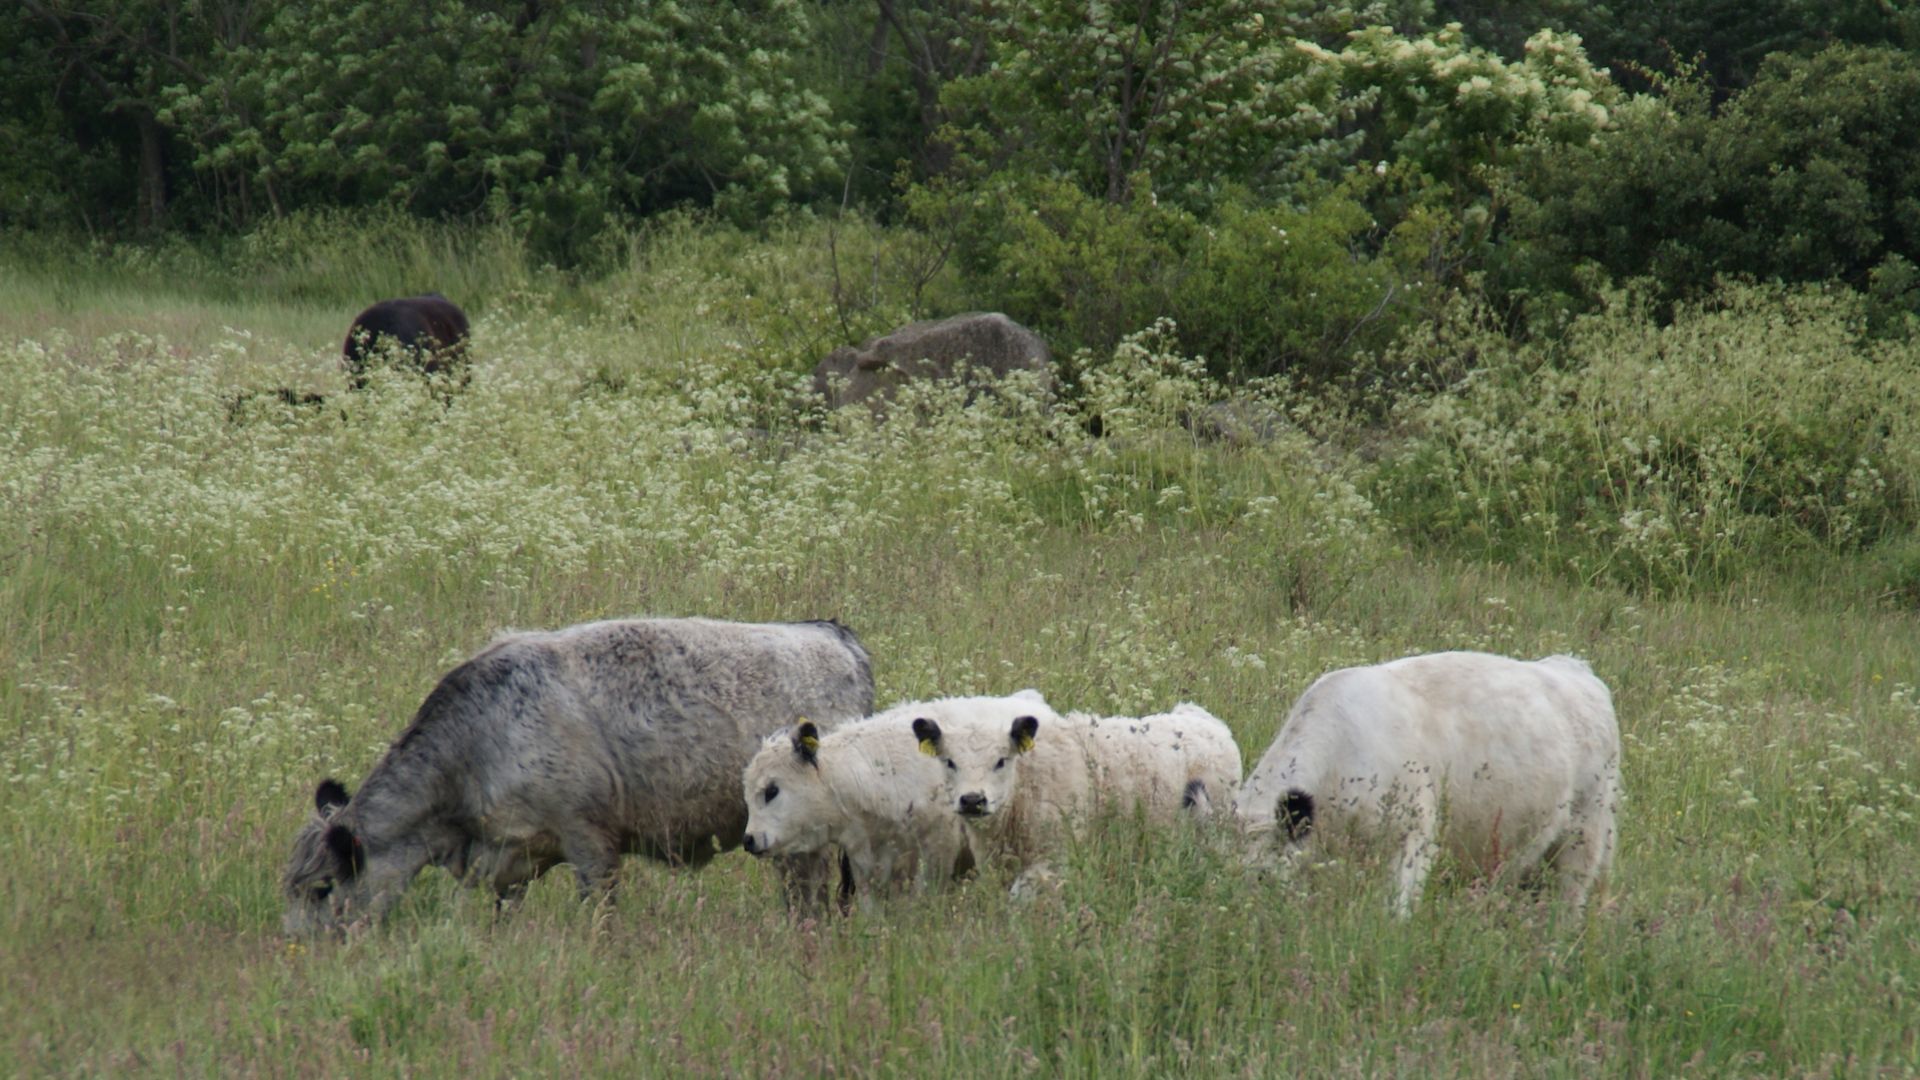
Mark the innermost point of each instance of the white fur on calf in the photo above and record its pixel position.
(1513, 766)
(1019, 773)
(863, 786)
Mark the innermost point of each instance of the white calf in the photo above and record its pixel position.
(1017, 772)
(864, 787)
(1513, 765)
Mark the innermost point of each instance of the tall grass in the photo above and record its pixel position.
(1760, 425)
(201, 614)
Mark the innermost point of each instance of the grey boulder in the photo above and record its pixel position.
(988, 343)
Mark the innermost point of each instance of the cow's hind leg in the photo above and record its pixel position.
(1410, 876)
(595, 858)
(1418, 848)
(516, 873)
(1584, 857)
(1528, 865)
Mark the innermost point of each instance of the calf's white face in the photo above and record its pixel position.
(982, 756)
(789, 809)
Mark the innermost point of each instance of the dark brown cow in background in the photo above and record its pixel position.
(430, 329)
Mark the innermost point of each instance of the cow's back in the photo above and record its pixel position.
(1153, 759)
(431, 327)
(1480, 714)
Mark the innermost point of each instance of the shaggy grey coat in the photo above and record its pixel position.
(576, 746)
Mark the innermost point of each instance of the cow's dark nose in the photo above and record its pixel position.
(752, 845)
(973, 804)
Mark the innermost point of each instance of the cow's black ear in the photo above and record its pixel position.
(1024, 729)
(806, 742)
(348, 855)
(331, 795)
(928, 734)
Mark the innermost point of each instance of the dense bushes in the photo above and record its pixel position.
(561, 114)
(1759, 425)
(1255, 288)
(1280, 200)
(1808, 175)
(1280, 179)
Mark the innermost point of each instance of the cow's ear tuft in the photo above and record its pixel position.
(1024, 729)
(806, 741)
(331, 795)
(928, 733)
(348, 856)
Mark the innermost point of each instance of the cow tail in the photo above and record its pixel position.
(1296, 814)
(1195, 798)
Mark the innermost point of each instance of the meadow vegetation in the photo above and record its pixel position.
(205, 608)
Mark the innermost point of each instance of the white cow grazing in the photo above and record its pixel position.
(1018, 773)
(1513, 765)
(862, 786)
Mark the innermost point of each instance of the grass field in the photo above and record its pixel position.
(202, 613)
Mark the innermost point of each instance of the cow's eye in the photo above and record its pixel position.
(1001, 764)
(951, 765)
(771, 793)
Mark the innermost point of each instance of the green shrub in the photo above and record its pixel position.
(559, 117)
(1256, 288)
(1084, 271)
(1807, 175)
(1759, 425)
(1313, 291)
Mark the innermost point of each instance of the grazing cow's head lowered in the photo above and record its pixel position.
(788, 803)
(325, 884)
(981, 745)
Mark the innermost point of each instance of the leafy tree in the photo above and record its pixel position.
(1820, 161)
(882, 65)
(936, 42)
(1220, 165)
(1453, 109)
(1808, 175)
(1729, 38)
(1196, 94)
(84, 85)
(1090, 148)
(556, 114)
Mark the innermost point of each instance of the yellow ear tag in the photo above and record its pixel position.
(1024, 743)
(928, 748)
(810, 743)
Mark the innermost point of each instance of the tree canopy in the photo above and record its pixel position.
(1092, 165)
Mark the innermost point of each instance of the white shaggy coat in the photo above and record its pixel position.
(865, 787)
(1510, 766)
(1018, 798)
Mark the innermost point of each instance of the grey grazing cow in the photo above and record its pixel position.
(575, 746)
